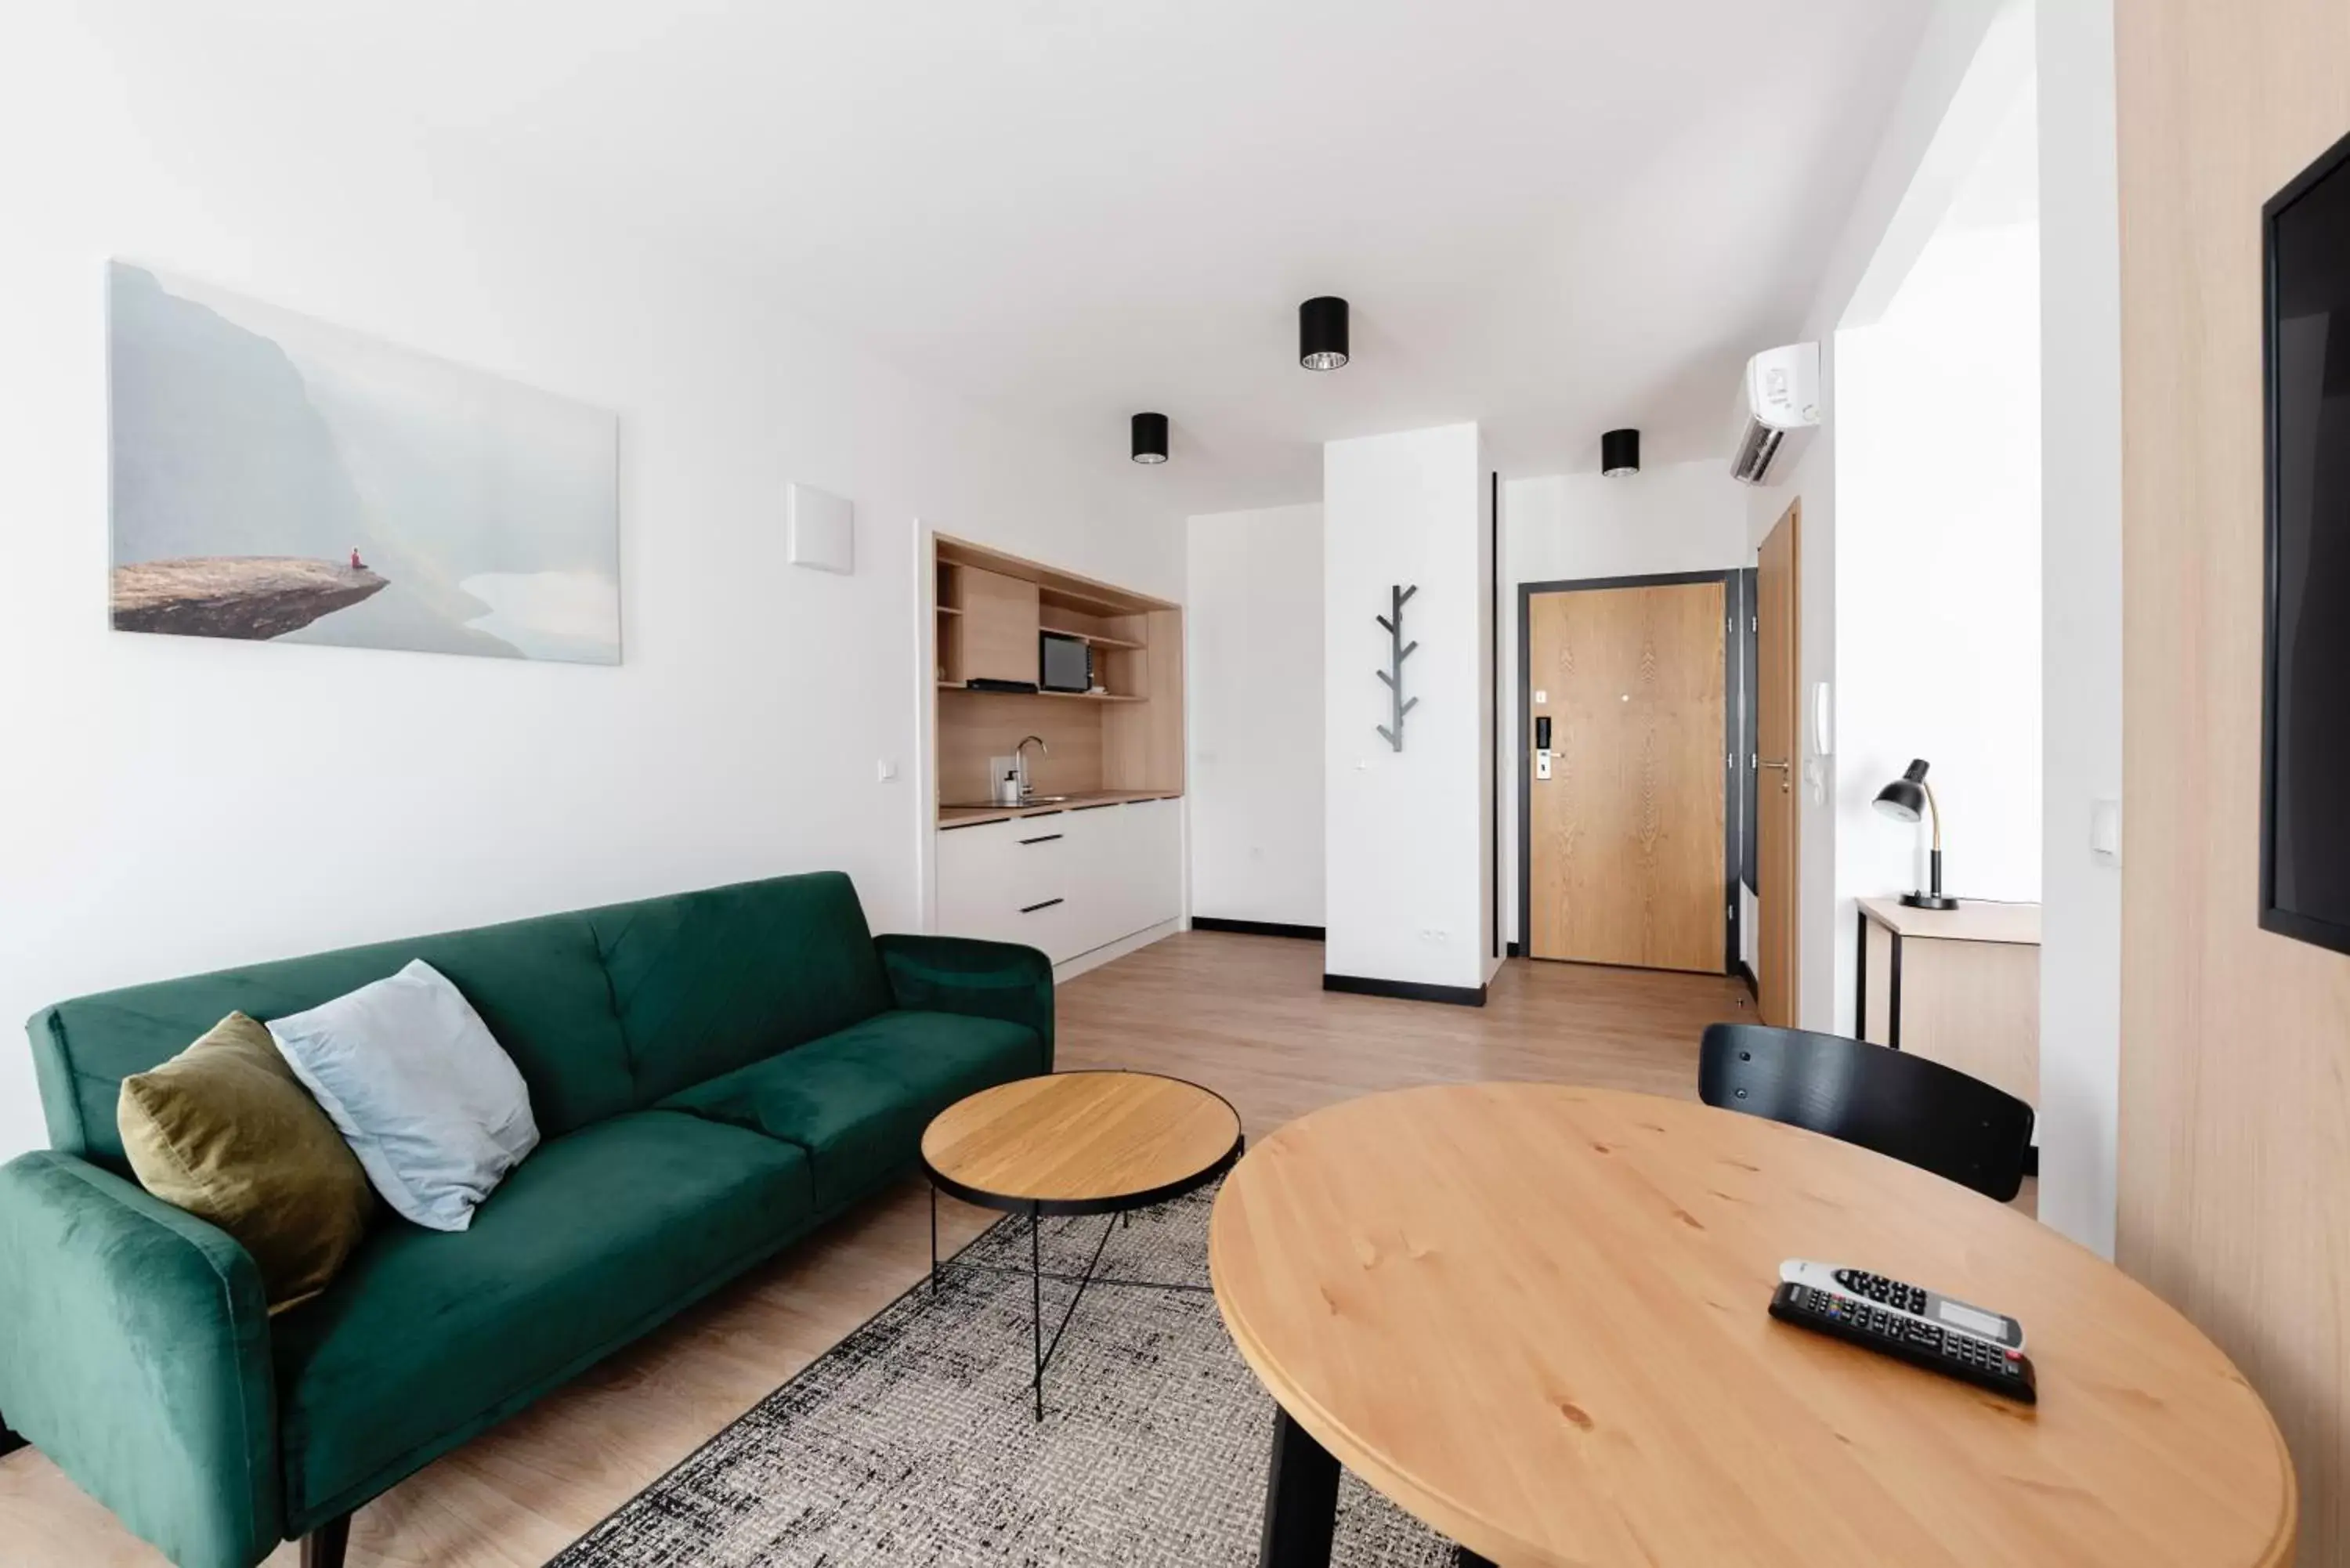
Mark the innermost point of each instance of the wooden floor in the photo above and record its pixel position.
(1244, 1015)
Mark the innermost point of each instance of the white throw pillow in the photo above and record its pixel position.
(420, 1089)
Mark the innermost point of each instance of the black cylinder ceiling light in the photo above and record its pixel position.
(1150, 438)
(1619, 453)
(1322, 333)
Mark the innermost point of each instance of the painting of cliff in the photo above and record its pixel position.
(276, 478)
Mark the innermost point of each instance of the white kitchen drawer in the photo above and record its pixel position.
(1063, 883)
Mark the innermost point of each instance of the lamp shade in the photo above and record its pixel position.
(1619, 453)
(1150, 438)
(1322, 333)
(1904, 800)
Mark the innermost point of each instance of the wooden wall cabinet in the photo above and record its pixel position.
(1125, 737)
(999, 627)
(1959, 986)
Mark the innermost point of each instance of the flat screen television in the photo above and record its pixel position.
(2305, 697)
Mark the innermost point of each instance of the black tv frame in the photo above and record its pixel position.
(2285, 922)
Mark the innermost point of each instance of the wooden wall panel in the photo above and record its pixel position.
(2234, 1193)
(976, 725)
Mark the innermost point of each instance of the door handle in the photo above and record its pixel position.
(1787, 771)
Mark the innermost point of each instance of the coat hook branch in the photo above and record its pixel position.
(1399, 650)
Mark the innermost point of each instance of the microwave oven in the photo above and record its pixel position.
(1066, 664)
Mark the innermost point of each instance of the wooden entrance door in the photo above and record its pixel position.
(1625, 838)
(1777, 894)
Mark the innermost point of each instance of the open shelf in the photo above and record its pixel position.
(1079, 696)
(992, 607)
(1095, 637)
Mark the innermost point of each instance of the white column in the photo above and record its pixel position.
(1407, 833)
(2081, 626)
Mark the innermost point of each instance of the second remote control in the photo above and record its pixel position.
(1960, 1356)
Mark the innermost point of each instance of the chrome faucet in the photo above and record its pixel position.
(1020, 762)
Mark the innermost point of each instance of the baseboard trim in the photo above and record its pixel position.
(1257, 928)
(1094, 959)
(1406, 990)
(1747, 974)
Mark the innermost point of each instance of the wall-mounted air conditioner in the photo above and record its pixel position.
(1778, 408)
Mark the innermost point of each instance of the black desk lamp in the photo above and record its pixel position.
(1907, 799)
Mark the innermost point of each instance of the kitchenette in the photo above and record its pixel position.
(1059, 748)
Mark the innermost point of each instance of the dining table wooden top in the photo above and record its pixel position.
(1535, 1316)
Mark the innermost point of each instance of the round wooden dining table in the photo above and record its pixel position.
(1535, 1316)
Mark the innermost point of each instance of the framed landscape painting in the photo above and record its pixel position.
(276, 478)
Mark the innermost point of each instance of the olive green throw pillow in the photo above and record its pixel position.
(226, 1131)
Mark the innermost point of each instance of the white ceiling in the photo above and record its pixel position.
(1553, 216)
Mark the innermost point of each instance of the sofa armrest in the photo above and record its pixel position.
(960, 974)
(134, 1352)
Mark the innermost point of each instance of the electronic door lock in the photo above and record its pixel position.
(1542, 747)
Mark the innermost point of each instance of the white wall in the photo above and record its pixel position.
(1939, 573)
(1407, 896)
(1938, 547)
(2080, 544)
(1564, 528)
(1253, 623)
(171, 805)
(1945, 109)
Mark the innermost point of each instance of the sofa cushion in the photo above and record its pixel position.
(428, 1338)
(226, 1131)
(707, 982)
(858, 1100)
(539, 985)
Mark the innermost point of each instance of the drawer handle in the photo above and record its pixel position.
(1048, 839)
(1045, 905)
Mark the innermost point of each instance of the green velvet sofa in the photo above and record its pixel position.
(713, 1074)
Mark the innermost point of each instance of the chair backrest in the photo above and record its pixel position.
(1919, 1112)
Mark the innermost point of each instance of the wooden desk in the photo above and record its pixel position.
(1534, 1316)
(1959, 986)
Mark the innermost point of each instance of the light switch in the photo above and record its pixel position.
(885, 770)
(2105, 831)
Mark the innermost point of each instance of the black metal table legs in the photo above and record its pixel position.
(1037, 1297)
(1301, 1502)
(1301, 1499)
(1041, 1349)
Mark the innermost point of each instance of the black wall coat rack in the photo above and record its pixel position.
(1393, 674)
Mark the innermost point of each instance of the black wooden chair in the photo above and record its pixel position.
(1919, 1111)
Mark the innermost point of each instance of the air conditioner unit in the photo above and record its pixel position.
(1778, 408)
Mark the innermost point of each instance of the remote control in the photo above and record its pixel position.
(1906, 1338)
(1914, 1300)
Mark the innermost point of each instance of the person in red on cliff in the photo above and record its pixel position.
(357, 565)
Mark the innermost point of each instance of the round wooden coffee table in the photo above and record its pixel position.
(1536, 1317)
(1077, 1143)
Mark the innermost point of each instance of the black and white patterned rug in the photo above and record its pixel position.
(913, 1442)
